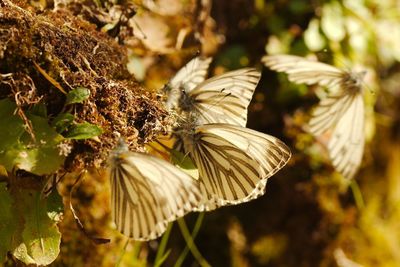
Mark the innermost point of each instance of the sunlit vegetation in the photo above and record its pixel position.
(77, 75)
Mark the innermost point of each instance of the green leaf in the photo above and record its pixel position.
(39, 110)
(55, 206)
(18, 149)
(8, 222)
(38, 240)
(83, 131)
(28, 225)
(77, 95)
(62, 121)
(184, 162)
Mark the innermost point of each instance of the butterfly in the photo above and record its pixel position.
(234, 162)
(341, 113)
(220, 99)
(187, 78)
(147, 193)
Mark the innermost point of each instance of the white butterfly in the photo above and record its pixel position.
(221, 99)
(234, 162)
(342, 112)
(147, 193)
(188, 77)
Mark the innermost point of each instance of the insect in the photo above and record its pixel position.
(234, 162)
(220, 99)
(341, 113)
(147, 193)
(187, 78)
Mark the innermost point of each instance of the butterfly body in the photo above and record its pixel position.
(352, 81)
(192, 74)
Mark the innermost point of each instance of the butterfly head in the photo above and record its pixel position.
(177, 97)
(121, 146)
(117, 153)
(166, 88)
(186, 102)
(354, 81)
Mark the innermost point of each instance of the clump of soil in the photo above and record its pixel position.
(75, 53)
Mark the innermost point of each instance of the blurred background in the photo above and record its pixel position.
(309, 216)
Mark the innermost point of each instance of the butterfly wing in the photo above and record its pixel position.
(192, 74)
(187, 78)
(346, 145)
(344, 115)
(329, 111)
(224, 98)
(234, 162)
(301, 70)
(147, 193)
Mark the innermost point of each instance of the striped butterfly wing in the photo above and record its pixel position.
(187, 78)
(346, 145)
(234, 162)
(147, 193)
(223, 98)
(301, 70)
(329, 111)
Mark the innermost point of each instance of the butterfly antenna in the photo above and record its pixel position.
(362, 75)
(222, 98)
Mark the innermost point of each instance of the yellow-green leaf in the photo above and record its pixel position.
(83, 131)
(19, 150)
(184, 162)
(77, 95)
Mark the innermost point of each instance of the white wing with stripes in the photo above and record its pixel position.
(301, 70)
(187, 78)
(234, 162)
(223, 98)
(147, 193)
